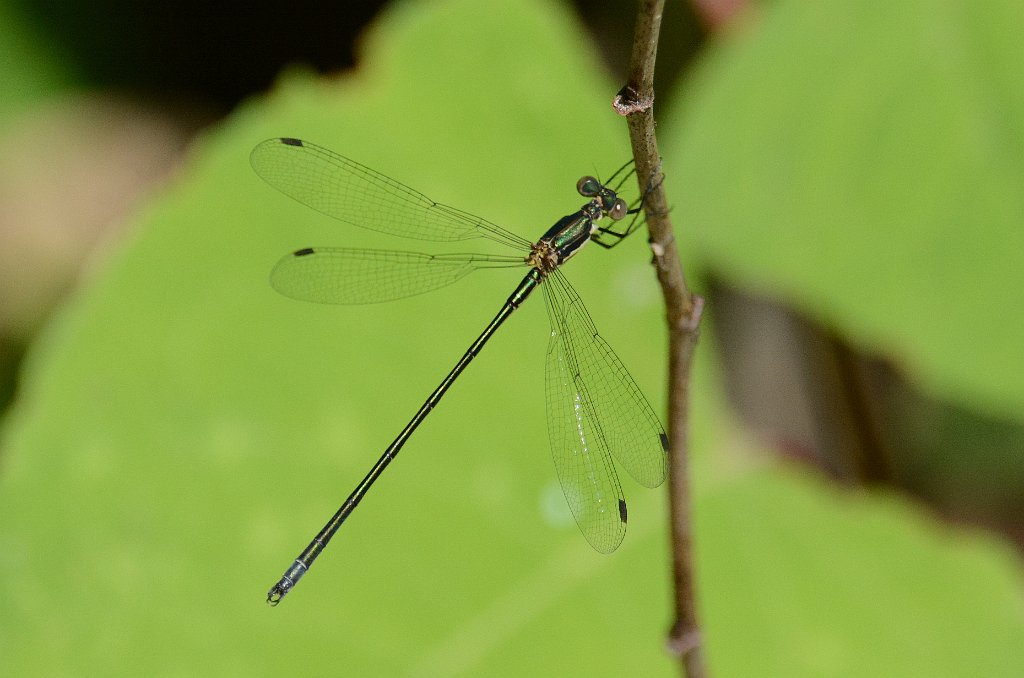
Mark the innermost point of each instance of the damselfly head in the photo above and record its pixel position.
(609, 203)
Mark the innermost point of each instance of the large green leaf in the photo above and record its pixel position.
(815, 582)
(183, 431)
(864, 161)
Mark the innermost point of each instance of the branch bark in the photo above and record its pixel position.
(683, 309)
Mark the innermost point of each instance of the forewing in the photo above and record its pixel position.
(334, 275)
(633, 432)
(580, 451)
(357, 195)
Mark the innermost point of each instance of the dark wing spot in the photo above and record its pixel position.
(304, 251)
(622, 510)
(664, 441)
(288, 141)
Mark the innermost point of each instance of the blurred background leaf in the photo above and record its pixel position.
(879, 150)
(181, 432)
(851, 172)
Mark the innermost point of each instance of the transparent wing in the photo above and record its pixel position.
(334, 275)
(595, 411)
(582, 462)
(632, 430)
(357, 195)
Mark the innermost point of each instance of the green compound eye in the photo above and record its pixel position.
(618, 209)
(588, 186)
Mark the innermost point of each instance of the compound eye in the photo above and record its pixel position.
(618, 209)
(588, 186)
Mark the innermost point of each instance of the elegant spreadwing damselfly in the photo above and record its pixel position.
(595, 411)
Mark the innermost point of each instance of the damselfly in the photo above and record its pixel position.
(595, 411)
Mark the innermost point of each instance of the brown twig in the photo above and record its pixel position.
(683, 312)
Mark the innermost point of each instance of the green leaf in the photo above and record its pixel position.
(810, 581)
(184, 431)
(864, 161)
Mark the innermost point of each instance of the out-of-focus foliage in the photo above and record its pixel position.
(864, 161)
(29, 68)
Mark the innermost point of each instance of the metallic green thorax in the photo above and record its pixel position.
(565, 238)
